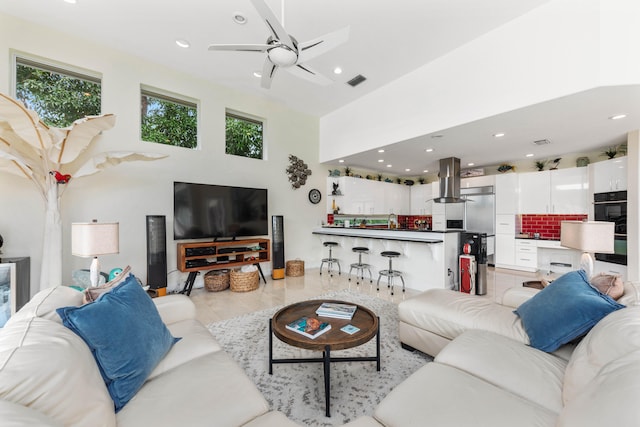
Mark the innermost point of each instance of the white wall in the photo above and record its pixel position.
(128, 192)
(562, 47)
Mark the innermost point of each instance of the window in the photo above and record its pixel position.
(168, 120)
(59, 96)
(244, 136)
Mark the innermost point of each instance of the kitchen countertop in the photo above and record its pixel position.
(423, 236)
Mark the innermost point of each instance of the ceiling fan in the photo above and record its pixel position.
(283, 50)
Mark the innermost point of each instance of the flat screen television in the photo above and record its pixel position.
(202, 211)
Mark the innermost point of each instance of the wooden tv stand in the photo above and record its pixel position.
(201, 256)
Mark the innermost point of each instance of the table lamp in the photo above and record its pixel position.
(92, 239)
(589, 237)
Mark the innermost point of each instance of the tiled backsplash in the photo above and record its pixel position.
(404, 221)
(547, 225)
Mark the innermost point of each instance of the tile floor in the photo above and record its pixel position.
(216, 306)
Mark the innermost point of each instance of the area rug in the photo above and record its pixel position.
(298, 389)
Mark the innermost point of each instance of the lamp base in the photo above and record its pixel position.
(586, 263)
(94, 272)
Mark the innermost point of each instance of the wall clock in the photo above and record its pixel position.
(315, 196)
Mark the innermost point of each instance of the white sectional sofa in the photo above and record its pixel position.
(485, 374)
(48, 376)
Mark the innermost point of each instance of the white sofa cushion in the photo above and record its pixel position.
(614, 336)
(449, 314)
(508, 364)
(47, 367)
(441, 395)
(175, 308)
(14, 415)
(210, 390)
(45, 302)
(609, 399)
(196, 341)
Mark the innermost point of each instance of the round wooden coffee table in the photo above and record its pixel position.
(334, 339)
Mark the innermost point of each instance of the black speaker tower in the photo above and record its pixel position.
(156, 251)
(277, 248)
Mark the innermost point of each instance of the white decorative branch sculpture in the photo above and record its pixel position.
(45, 155)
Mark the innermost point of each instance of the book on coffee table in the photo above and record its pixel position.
(336, 310)
(309, 327)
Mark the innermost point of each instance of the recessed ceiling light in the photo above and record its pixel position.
(340, 161)
(257, 74)
(239, 18)
(380, 160)
(618, 117)
(389, 166)
(381, 151)
(183, 43)
(407, 170)
(337, 70)
(470, 164)
(429, 150)
(530, 155)
(425, 171)
(70, 1)
(498, 135)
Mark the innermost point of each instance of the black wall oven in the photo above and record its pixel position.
(612, 207)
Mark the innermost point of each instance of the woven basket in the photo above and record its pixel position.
(244, 282)
(216, 280)
(295, 268)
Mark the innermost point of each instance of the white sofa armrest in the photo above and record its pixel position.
(175, 308)
(513, 297)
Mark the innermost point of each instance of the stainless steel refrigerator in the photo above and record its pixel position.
(480, 213)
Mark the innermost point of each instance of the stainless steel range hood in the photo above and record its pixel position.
(449, 181)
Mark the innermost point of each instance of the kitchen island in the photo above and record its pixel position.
(429, 258)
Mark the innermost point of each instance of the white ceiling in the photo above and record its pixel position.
(387, 40)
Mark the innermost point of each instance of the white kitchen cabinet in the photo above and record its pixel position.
(505, 251)
(506, 224)
(368, 197)
(397, 198)
(609, 175)
(526, 254)
(561, 191)
(506, 190)
(570, 191)
(420, 196)
(534, 189)
(478, 181)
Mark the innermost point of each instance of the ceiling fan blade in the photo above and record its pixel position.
(305, 72)
(268, 71)
(316, 47)
(277, 31)
(240, 47)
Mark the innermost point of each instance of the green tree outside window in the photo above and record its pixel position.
(244, 137)
(168, 121)
(58, 97)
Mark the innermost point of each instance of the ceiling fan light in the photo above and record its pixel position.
(282, 56)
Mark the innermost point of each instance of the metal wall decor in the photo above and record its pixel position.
(298, 171)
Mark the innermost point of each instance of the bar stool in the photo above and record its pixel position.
(331, 260)
(359, 266)
(390, 273)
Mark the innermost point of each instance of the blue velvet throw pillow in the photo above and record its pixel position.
(563, 311)
(126, 335)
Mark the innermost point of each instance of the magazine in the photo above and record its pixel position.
(336, 310)
(309, 327)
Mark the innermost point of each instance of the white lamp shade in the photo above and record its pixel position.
(588, 236)
(91, 239)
